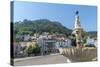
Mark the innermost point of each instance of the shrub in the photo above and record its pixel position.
(35, 49)
(29, 50)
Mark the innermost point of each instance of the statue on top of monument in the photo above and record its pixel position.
(77, 12)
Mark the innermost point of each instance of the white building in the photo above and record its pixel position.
(63, 43)
(27, 37)
(91, 41)
(51, 44)
(47, 45)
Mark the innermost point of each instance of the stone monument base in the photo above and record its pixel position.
(79, 54)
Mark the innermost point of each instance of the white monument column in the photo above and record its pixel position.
(78, 30)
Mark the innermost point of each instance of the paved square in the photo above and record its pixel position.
(48, 59)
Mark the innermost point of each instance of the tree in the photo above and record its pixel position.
(29, 50)
(33, 49)
(36, 50)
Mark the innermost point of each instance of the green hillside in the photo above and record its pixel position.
(39, 26)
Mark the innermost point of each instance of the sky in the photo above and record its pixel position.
(63, 13)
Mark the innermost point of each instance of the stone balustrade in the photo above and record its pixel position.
(79, 54)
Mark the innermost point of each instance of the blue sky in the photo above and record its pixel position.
(63, 13)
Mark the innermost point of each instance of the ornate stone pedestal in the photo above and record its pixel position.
(79, 54)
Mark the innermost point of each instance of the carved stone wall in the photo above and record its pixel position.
(79, 54)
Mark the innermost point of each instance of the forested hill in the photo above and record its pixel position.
(93, 33)
(39, 26)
